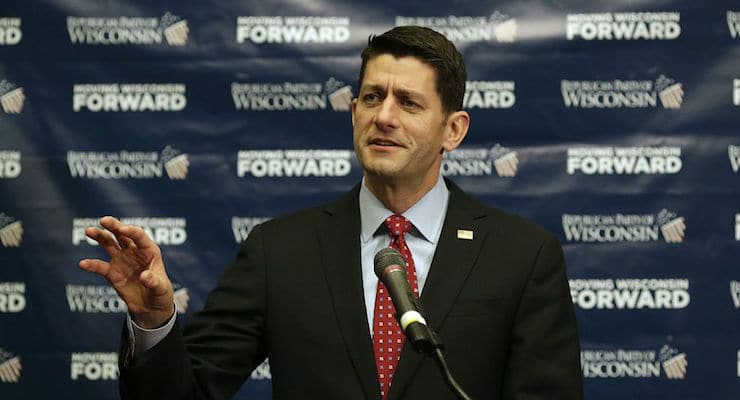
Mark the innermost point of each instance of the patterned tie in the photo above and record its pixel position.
(387, 336)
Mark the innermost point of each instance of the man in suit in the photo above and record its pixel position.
(302, 290)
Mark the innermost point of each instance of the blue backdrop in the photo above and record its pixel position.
(612, 123)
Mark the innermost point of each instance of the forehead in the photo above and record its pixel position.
(407, 73)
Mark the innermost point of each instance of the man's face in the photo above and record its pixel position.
(399, 126)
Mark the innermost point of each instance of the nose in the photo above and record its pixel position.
(387, 117)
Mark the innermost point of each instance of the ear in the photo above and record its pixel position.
(354, 106)
(456, 129)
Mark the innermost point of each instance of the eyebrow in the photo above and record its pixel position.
(398, 91)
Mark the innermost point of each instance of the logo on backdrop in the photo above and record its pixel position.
(10, 367)
(182, 298)
(12, 297)
(630, 294)
(165, 231)
(627, 363)
(11, 231)
(734, 153)
(304, 29)
(169, 29)
(262, 371)
(93, 366)
(10, 164)
(736, 92)
(288, 96)
(103, 299)
(93, 299)
(623, 26)
(622, 94)
(480, 162)
(489, 94)
(735, 292)
(293, 163)
(241, 226)
(610, 228)
(498, 26)
(12, 97)
(674, 362)
(608, 160)
(733, 22)
(128, 164)
(10, 31)
(124, 97)
(737, 226)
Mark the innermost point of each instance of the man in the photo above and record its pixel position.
(302, 290)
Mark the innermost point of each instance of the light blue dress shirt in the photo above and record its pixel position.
(426, 216)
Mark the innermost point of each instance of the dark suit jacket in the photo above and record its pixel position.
(499, 302)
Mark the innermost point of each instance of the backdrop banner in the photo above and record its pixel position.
(614, 124)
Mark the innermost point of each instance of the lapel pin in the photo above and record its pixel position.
(464, 234)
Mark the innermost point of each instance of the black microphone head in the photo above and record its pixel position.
(385, 258)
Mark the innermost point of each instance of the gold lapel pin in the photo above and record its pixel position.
(464, 234)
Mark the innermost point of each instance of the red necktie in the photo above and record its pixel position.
(387, 336)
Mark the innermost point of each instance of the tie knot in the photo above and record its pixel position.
(397, 225)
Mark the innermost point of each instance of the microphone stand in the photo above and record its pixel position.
(428, 343)
(451, 382)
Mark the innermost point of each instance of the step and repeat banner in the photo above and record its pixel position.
(615, 124)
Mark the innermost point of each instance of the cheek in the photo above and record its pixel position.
(358, 134)
(429, 136)
(355, 136)
(361, 121)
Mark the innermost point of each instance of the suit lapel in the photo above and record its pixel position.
(339, 233)
(453, 260)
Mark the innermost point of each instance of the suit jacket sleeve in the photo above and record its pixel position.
(222, 344)
(544, 358)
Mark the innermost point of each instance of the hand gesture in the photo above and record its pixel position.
(135, 271)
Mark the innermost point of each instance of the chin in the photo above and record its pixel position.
(383, 171)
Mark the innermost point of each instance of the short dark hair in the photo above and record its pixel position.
(431, 48)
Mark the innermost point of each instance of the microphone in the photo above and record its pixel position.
(391, 270)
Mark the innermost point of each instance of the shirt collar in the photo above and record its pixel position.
(427, 215)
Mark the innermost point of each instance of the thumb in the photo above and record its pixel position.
(153, 282)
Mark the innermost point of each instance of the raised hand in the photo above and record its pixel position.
(135, 271)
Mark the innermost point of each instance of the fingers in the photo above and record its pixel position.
(128, 235)
(104, 239)
(110, 223)
(113, 225)
(99, 267)
(124, 242)
(138, 236)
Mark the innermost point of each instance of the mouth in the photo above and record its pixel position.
(380, 142)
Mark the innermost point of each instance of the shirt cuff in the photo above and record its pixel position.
(142, 339)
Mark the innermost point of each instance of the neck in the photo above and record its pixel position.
(397, 195)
